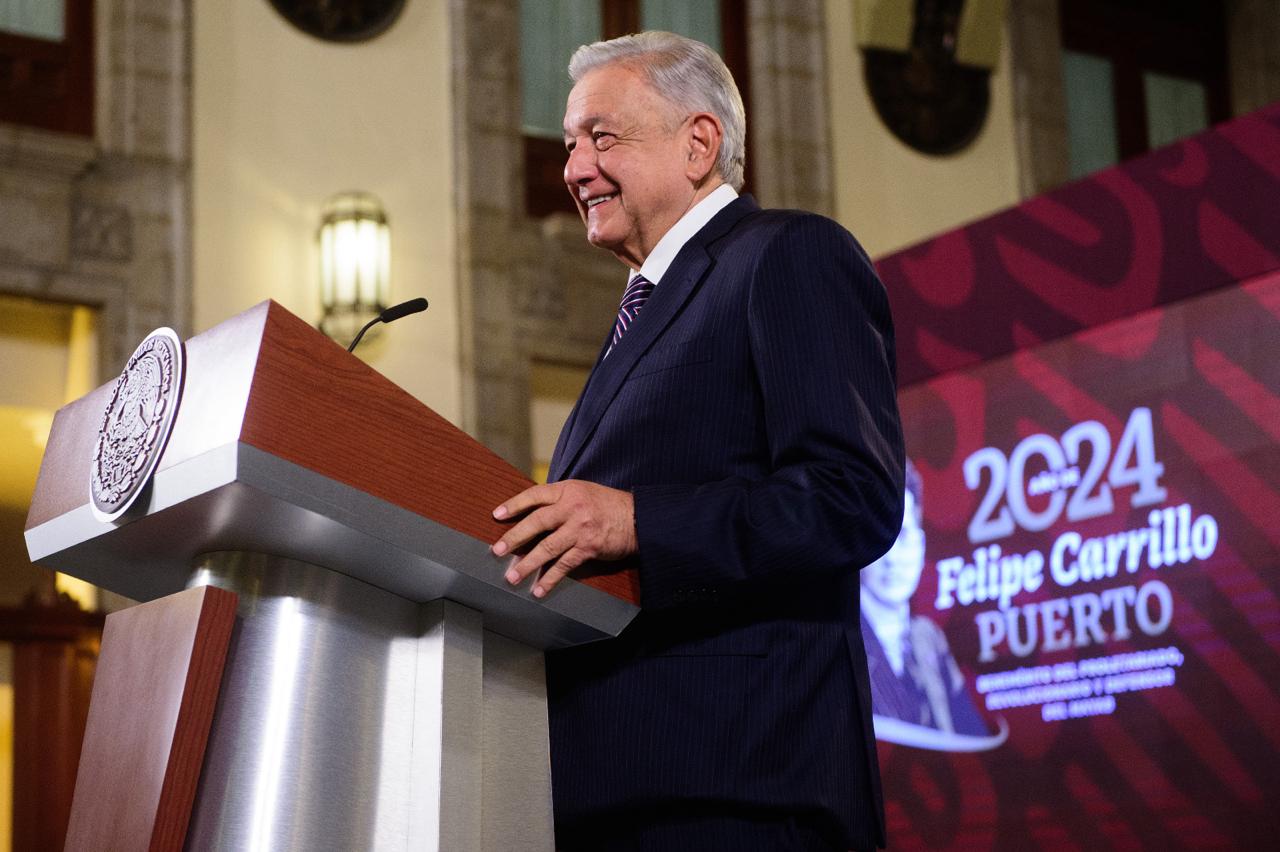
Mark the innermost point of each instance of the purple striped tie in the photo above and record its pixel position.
(637, 293)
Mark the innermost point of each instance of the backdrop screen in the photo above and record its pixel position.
(1091, 651)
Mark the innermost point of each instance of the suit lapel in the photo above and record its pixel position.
(559, 455)
(679, 283)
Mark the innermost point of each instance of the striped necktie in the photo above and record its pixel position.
(637, 293)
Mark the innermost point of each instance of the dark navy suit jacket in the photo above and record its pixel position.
(751, 410)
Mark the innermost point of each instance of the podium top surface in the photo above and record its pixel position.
(286, 444)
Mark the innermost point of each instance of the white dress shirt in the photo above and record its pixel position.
(656, 264)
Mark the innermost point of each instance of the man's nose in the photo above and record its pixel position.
(580, 168)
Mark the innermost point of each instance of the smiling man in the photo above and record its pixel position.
(738, 444)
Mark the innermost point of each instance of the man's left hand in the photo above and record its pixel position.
(581, 521)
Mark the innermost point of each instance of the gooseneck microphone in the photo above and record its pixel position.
(391, 314)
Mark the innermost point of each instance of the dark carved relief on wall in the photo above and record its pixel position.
(340, 20)
(924, 96)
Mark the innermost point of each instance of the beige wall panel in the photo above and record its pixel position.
(281, 122)
(891, 196)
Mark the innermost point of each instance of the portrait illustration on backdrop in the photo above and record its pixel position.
(919, 695)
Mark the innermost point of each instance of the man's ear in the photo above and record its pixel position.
(705, 137)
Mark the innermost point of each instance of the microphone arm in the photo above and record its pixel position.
(391, 314)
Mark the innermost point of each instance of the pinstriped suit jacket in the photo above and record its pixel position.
(751, 409)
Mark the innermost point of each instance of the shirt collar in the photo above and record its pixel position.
(658, 261)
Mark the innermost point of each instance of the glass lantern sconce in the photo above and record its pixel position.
(355, 263)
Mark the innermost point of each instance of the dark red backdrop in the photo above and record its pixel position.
(1201, 214)
(1154, 285)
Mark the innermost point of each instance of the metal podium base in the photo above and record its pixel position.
(353, 719)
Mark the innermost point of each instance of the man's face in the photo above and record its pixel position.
(628, 162)
(893, 578)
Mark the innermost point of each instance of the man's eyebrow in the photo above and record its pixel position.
(586, 121)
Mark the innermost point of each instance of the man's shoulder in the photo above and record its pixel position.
(781, 218)
(744, 218)
(764, 229)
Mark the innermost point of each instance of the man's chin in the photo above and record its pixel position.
(602, 239)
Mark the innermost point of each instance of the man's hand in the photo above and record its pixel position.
(581, 520)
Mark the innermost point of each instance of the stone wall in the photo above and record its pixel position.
(104, 221)
(1039, 97)
(1253, 53)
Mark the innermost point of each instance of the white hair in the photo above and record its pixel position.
(688, 75)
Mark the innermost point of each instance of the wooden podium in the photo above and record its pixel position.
(383, 685)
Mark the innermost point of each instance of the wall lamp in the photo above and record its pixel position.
(355, 263)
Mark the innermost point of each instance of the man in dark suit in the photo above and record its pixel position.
(738, 443)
